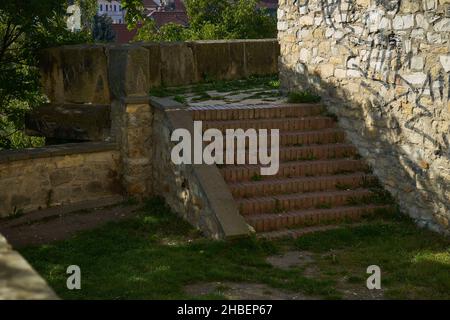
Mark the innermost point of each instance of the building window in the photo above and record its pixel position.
(120, 8)
(101, 7)
(115, 8)
(106, 6)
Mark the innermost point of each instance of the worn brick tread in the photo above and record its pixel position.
(273, 222)
(286, 124)
(295, 169)
(221, 112)
(298, 201)
(324, 136)
(321, 180)
(299, 184)
(295, 233)
(311, 152)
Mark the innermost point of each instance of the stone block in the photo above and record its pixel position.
(52, 75)
(213, 58)
(129, 71)
(85, 74)
(445, 62)
(154, 64)
(177, 64)
(442, 25)
(70, 122)
(262, 57)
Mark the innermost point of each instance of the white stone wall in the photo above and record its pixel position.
(383, 66)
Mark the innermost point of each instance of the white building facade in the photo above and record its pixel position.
(112, 9)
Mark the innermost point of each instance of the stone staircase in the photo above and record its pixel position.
(322, 180)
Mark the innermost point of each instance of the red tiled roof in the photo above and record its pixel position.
(149, 4)
(163, 17)
(123, 35)
(270, 4)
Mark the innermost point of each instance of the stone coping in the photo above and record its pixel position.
(162, 103)
(56, 150)
(138, 44)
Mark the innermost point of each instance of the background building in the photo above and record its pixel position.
(112, 9)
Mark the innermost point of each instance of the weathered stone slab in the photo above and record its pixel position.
(71, 121)
(85, 74)
(212, 59)
(154, 55)
(177, 64)
(129, 71)
(261, 57)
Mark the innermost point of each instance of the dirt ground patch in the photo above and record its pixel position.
(242, 291)
(61, 226)
(291, 259)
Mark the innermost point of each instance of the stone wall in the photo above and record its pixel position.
(95, 73)
(100, 93)
(59, 175)
(197, 192)
(383, 66)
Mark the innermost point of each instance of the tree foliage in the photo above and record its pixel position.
(88, 12)
(102, 29)
(208, 20)
(25, 28)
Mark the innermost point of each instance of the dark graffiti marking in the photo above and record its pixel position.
(392, 6)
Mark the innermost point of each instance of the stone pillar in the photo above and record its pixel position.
(132, 117)
(137, 147)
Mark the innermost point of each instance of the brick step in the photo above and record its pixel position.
(274, 222)
(297, 233)
(287, 124)
(300, 201)
(294, 169)
(324, 136)
(205, 113)
(299, 185)
(316, 152)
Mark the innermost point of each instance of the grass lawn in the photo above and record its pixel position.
(155, 254)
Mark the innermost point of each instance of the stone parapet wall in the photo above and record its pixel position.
(97, 74)
(197, 192)
(382, 66)
(41, 178)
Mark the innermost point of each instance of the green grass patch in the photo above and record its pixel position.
(303, 97)
(415, 263)
(263, 82)
(155, 254)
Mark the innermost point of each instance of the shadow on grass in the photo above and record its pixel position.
(154, 255)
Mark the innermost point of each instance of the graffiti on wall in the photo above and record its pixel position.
(388, 58)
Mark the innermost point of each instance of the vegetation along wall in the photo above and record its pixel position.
(383, 66)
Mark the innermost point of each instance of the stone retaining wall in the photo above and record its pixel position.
(59, 175)
(197, 192)
(95, 73)
(383, 66)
